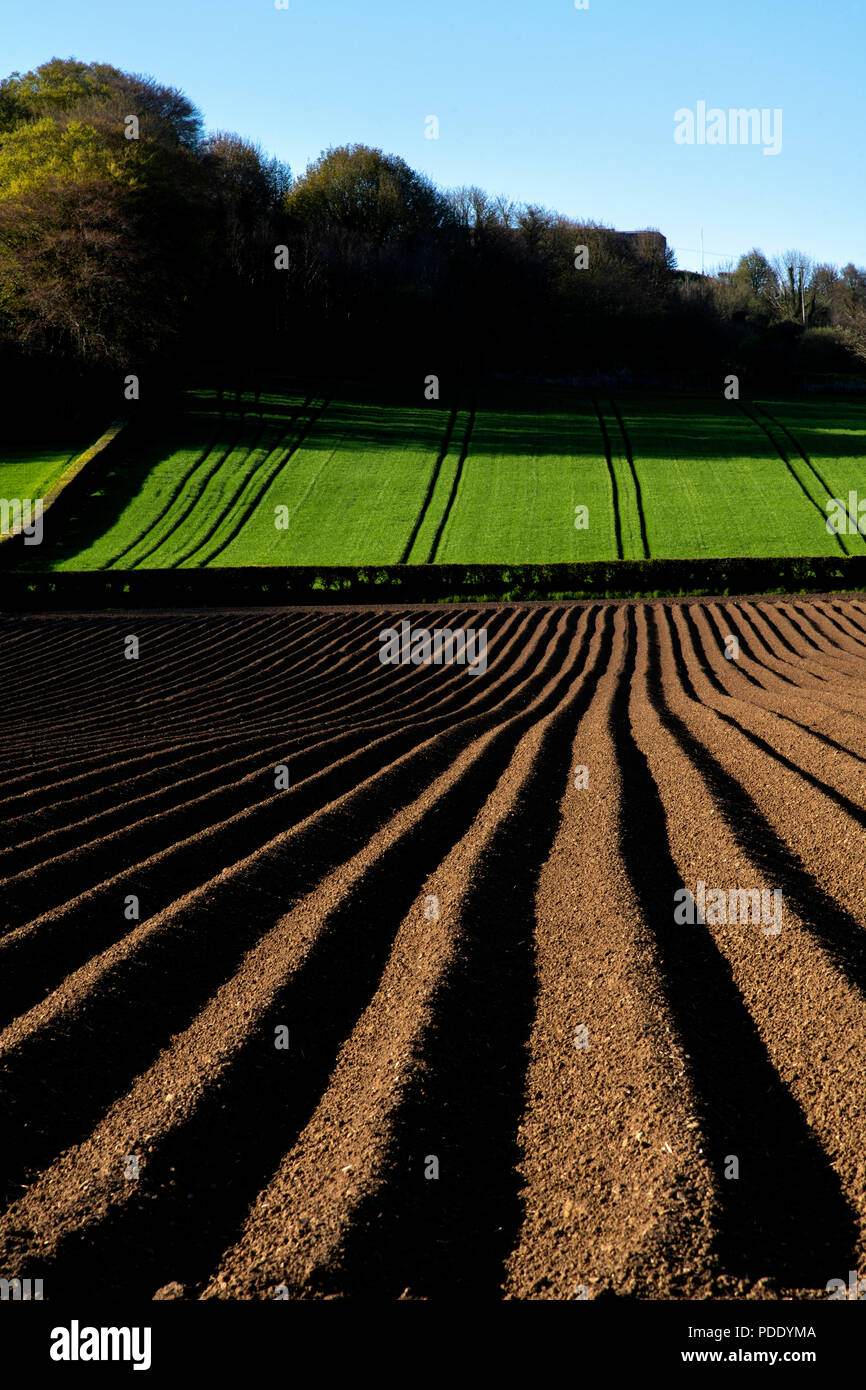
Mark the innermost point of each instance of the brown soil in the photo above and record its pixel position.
(584, 1072)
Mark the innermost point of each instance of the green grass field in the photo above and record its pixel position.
(714, 484)
(832, 437)
(306, 477)
(32, 472)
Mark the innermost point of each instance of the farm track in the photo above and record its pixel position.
(237, 440)
(433, 910)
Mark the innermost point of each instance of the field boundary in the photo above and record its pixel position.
(74, 471)
(326, 585)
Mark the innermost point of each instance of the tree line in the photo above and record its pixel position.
(131, 239)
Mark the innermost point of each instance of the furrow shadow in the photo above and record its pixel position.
(786, 1216)
(451, 1237)
(232, 1144)
(157, 990)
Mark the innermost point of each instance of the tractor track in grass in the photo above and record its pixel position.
(206, 466)
(431, 486)
(751, 413)
(230, 491)
(455, 484)
(792, 439)
(201, 462)
(638, 497)
(260, 480)
(209, 468)
(611, 473)
(422, 1040)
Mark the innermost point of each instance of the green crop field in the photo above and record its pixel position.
(833, 438)
(32, 472)
(310, 476)
(523, 475)
(715, 483)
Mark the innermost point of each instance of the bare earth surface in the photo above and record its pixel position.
(476, 960)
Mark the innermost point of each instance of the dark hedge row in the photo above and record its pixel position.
(402, 585)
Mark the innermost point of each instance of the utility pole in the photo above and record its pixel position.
(802, 300)
(702, 250)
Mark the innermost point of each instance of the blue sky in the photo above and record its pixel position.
(573, 109)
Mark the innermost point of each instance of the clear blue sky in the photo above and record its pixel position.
(573, 109)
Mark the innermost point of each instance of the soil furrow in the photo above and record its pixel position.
(704, 829)
(446, 807)
(513, 1066)
(441, 1078)
(170, 946)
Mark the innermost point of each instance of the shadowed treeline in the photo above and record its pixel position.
(148, 249)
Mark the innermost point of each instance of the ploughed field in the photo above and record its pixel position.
(423, 1021)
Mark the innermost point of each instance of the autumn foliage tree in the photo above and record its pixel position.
(107, 221)
(98, 230)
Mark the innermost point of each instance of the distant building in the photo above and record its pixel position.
(645, 241)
